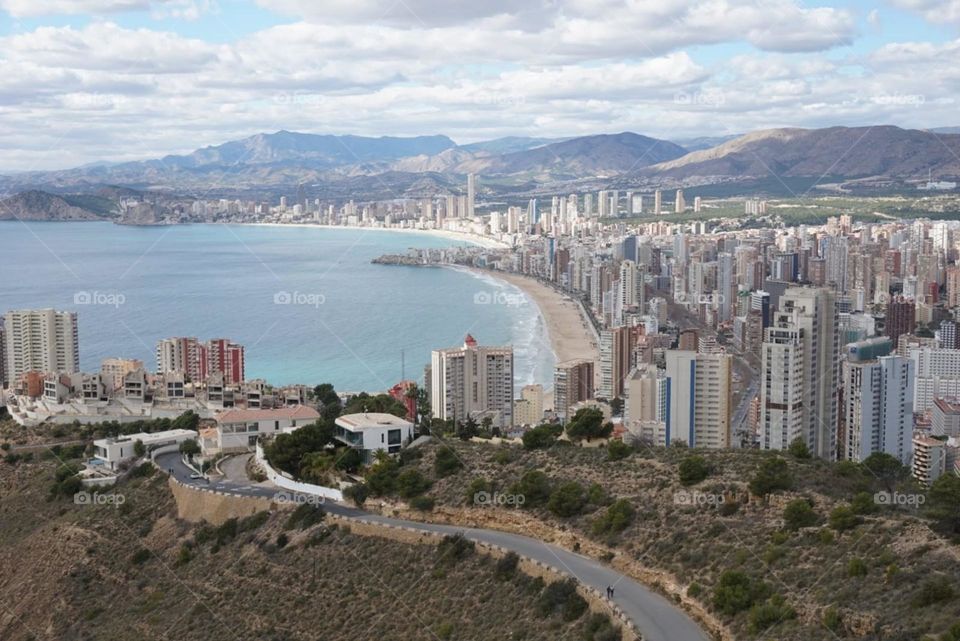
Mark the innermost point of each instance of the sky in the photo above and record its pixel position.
(112, 80)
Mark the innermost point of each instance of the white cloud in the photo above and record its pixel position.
(936, 11)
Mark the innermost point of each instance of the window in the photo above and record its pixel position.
(394, 437)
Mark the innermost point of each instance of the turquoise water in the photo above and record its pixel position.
(356, 325)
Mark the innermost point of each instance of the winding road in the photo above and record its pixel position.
(657, 618)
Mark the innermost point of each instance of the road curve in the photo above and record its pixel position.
(657, 618)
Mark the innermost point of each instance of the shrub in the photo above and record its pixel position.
(832, 620)
(381, 477)
(506, 566)
(535, 487)
(935, 590)
(541, 437)
(477, 486)
(561, 597)
(694, 590)
(618, 450)
(588, 424)
(140, 557)
(282, 540)
(599, 627)
(857, 567)
(422, 503)
(453, 549)
(357, 493)
(842, 518)
(567, 500)
(617, 518)
(773, 612)
(736, 592)
(447, 462)
(798, 449)
(305, 516)
(863, 503)
(693, 469)
(799, 514)
(411, 483)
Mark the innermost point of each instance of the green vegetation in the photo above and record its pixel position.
(772, 475)
(615, 519)
(693, 469)
(542, 436)
(588, 424)
(561, 598)
(618, 450)
(736, 592)
(799, 514)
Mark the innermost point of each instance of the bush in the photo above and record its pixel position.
(477, 486)
(567, 500)
(305, 516)
(842, 518)
(935, 590)
(140, 557)
(863, 503)
(736, 592)
(381, 477)
(599, 627)
(446, 462)
(411, 483)
(832, 620)
(282, 540)
(561, 597)
(798, 449)
(357, 493)
(616, 519)
(422, 503)
(856, 568)
(799, 514)
(506, 566)
(588, 424)
(693, 469)
(618, 450)
(771, 475)
(453, 549)
(535, 487)
(773, 612)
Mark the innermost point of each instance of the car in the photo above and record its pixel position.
(195, 476)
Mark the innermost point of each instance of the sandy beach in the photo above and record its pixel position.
(570, 335)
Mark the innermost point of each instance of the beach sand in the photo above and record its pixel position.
(570, 335)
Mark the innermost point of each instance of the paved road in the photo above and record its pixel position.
(657, 618)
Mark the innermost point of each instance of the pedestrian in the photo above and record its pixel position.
(611, 592)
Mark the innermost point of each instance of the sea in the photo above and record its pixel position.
(306, 302)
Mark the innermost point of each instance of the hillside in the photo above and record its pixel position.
(841, 564)
(845, 152)
(41, 206)
(134, 571)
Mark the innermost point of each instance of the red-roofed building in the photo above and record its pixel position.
(400, 392)
(237, 430)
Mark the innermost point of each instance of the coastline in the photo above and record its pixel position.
(473, 239)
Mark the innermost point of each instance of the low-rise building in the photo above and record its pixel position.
(114, 451)
(372, 432)
(929, 459)
(237, 430)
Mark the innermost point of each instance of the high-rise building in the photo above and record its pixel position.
(227, 358)
(572, 383)
(657, 201)
(799, 381)
(3, 356)
(945, 418)
(901, 318)
(949, 334)
(43, 340)
(471, 195)
(878, 405)
(615, 352)
(679, 204)
(646, 395)
(181, 354)
(528, 409)
(699, 398)
(472, 381)
(929, 460)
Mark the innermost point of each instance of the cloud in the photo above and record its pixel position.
(936, 11)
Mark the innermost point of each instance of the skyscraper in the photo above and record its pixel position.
(42, 340)
(615, 352)
(679, 204)
(901, 318)
(878, 405)
(471, 195)
(657, 202)
(699, 398)
(472, 381)
(800, 372)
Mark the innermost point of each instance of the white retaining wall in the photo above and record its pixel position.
(282, 480)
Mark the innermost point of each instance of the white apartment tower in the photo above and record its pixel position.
(472, 381)
(801, 370)
(42, 340)
(699, 398)
(878, 408)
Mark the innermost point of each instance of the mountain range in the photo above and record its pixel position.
(340, 167)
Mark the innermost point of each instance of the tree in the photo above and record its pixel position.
(886, 468)
(693, 469)
(357, 493)
(843, 518)
(588, 424)
(616, 406)
(943, 503)
(799, 514)
(772, 475)
(189, 420)
(798, 449)
(541, 437)
(139, 449)
(535, 488)
(411, 483)
(467, 429)
(616, 519)
(567, 500)
(617, 450)
(189, 447)
(348, 459)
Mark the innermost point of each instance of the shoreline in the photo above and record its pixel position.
(473, 239)
(568, 335)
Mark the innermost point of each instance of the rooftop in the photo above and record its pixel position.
(294, 412)
(148, 437)
(371, 420)
(947, 407)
